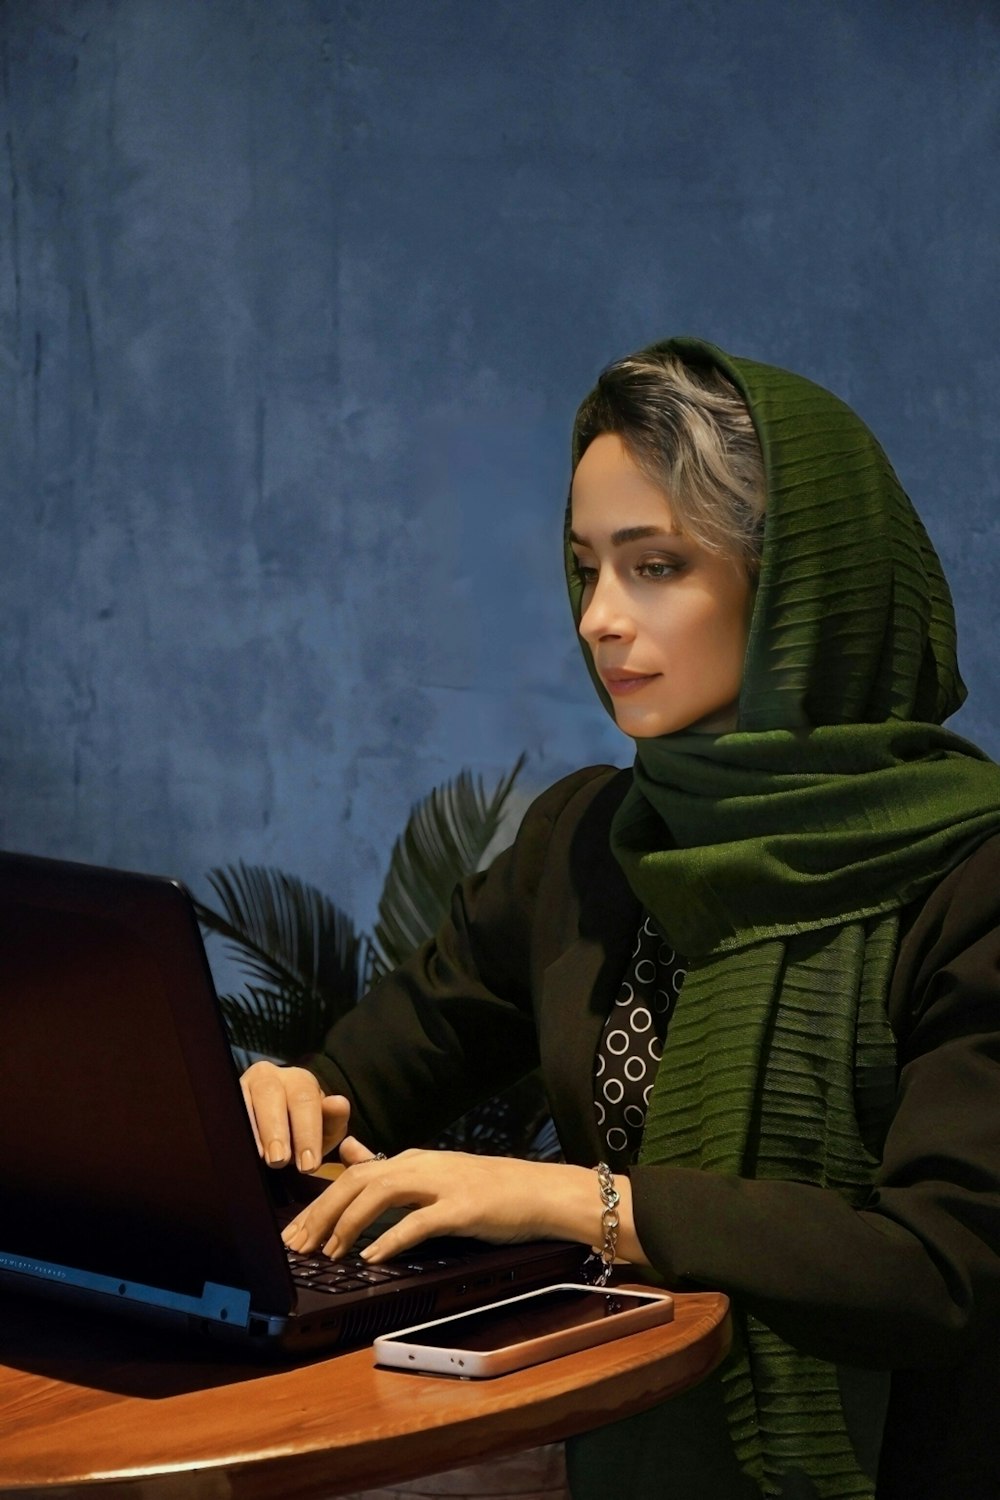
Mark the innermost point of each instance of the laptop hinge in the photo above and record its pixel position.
(218, 1304)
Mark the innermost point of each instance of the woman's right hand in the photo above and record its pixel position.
(290, 1114)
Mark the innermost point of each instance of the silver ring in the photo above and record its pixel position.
(380, 1156)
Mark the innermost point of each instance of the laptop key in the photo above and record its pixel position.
(318, 1273)
(420, 1267)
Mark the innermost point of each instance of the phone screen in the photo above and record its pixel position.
(495, 1327)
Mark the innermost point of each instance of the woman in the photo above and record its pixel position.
(818, 862)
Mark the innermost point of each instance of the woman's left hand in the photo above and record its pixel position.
(490, 1198)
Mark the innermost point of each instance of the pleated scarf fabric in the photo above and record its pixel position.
(777, 858)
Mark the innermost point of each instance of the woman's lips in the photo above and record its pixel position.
(621, 684)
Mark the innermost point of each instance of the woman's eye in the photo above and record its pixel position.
(585, 574)
(656, 568)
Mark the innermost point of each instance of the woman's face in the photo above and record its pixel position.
(665, 620)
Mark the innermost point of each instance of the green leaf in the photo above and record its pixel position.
(304, 961)
(251, 1020)
(298, 948)
(447, 834)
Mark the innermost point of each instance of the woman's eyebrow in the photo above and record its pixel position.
(626, 534)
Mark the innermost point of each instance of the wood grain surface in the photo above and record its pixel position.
(93, 1409)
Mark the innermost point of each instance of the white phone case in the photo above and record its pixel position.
(639, 1307)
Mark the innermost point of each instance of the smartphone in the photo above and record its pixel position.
(524, 1330)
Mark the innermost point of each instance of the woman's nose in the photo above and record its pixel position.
(604, 614)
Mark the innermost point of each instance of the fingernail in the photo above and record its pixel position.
(276, 1154)
(307, 1161)
(332, 1246)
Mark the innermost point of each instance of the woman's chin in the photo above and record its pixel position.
(650, 725)
(643, 726)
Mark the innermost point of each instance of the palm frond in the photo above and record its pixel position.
(279, 1024)
(299, 948)
(447, 834)
(252, 1019)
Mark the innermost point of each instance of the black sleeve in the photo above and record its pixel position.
(455, 1023)
(911, 1278)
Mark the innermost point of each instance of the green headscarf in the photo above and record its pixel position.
(776, 859)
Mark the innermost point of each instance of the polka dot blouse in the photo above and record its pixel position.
(631, 1044)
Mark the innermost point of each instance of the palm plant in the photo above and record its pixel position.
(301, 954)
(306, 965)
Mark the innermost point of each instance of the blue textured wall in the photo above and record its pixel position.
(297, 298)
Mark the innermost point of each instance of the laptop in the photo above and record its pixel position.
(129, 1176)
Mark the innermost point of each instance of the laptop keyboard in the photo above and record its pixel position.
(352, 1274)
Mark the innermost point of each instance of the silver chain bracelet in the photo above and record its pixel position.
(609, 1222)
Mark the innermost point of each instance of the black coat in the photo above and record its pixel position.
(526, 971)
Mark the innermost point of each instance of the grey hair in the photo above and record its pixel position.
(690, 431)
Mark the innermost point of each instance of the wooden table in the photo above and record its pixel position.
(93, 1409)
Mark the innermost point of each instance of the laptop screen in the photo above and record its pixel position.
(126, 1150)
